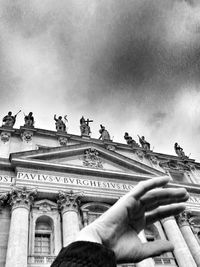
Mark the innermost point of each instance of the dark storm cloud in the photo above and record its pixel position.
(124, 62)
(157, 118)
(139, 53)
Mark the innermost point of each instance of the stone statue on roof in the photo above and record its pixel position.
(60, 123)
(29, 120)
(144, 144)
(9, 120)
(129, 140)
(179, 150)
(104, 133)
(84, 126)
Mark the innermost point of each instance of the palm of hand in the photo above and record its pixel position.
(118, 227)
(119, 230)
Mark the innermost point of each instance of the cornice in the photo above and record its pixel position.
(5, 164)
(78, 138)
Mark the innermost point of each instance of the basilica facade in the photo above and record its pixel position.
(52, 184)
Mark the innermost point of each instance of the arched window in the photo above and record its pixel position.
(43, 244)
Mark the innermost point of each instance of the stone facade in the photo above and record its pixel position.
(53, 184)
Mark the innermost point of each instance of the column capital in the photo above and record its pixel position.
(68, 201)
(21, 197)
(183, 218)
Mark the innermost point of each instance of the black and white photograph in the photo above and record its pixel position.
(99, 133)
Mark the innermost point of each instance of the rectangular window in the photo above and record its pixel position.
(42, 244)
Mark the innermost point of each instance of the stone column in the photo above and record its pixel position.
(183, 222)
(181, 250)
(20, 200)
(148, 262)
(69, 204)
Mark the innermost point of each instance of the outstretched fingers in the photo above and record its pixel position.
(158, 197)
(145, 186)
(164, 212)
(155, 248)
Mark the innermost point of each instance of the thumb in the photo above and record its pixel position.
(155, 248)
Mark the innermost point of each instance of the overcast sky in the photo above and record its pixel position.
(131, 65)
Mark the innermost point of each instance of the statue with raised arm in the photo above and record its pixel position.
(60, 124)
(144, 144)
(29, 120)
(129, 140)
(179, 150)
(84, 126)
(104, 133)
(9, 120)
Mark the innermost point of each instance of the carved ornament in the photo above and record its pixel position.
(110, 147)
(140, 154)
(68, 201)
(5, 136)
(154, 160)
(174, 165)
(92, 159)
(183, 218)
(21, 197)
(45, 205)
(27, 136)
(63, 141)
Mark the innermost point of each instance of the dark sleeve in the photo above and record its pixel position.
(85, 254)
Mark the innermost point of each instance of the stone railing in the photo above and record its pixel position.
(40, 259)
(49, 259)
(165, 261)
(126, 265)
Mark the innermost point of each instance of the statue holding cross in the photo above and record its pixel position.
(84, 126)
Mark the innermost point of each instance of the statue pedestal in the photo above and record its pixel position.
(5, 136)
(85, 136)
(27, 133)
(62, 138)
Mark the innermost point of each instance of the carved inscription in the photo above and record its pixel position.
(73, 181)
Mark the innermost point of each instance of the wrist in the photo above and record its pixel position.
(89, 234)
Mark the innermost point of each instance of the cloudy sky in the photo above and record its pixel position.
(131, 65)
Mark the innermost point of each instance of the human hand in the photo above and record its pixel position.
(119, 226)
